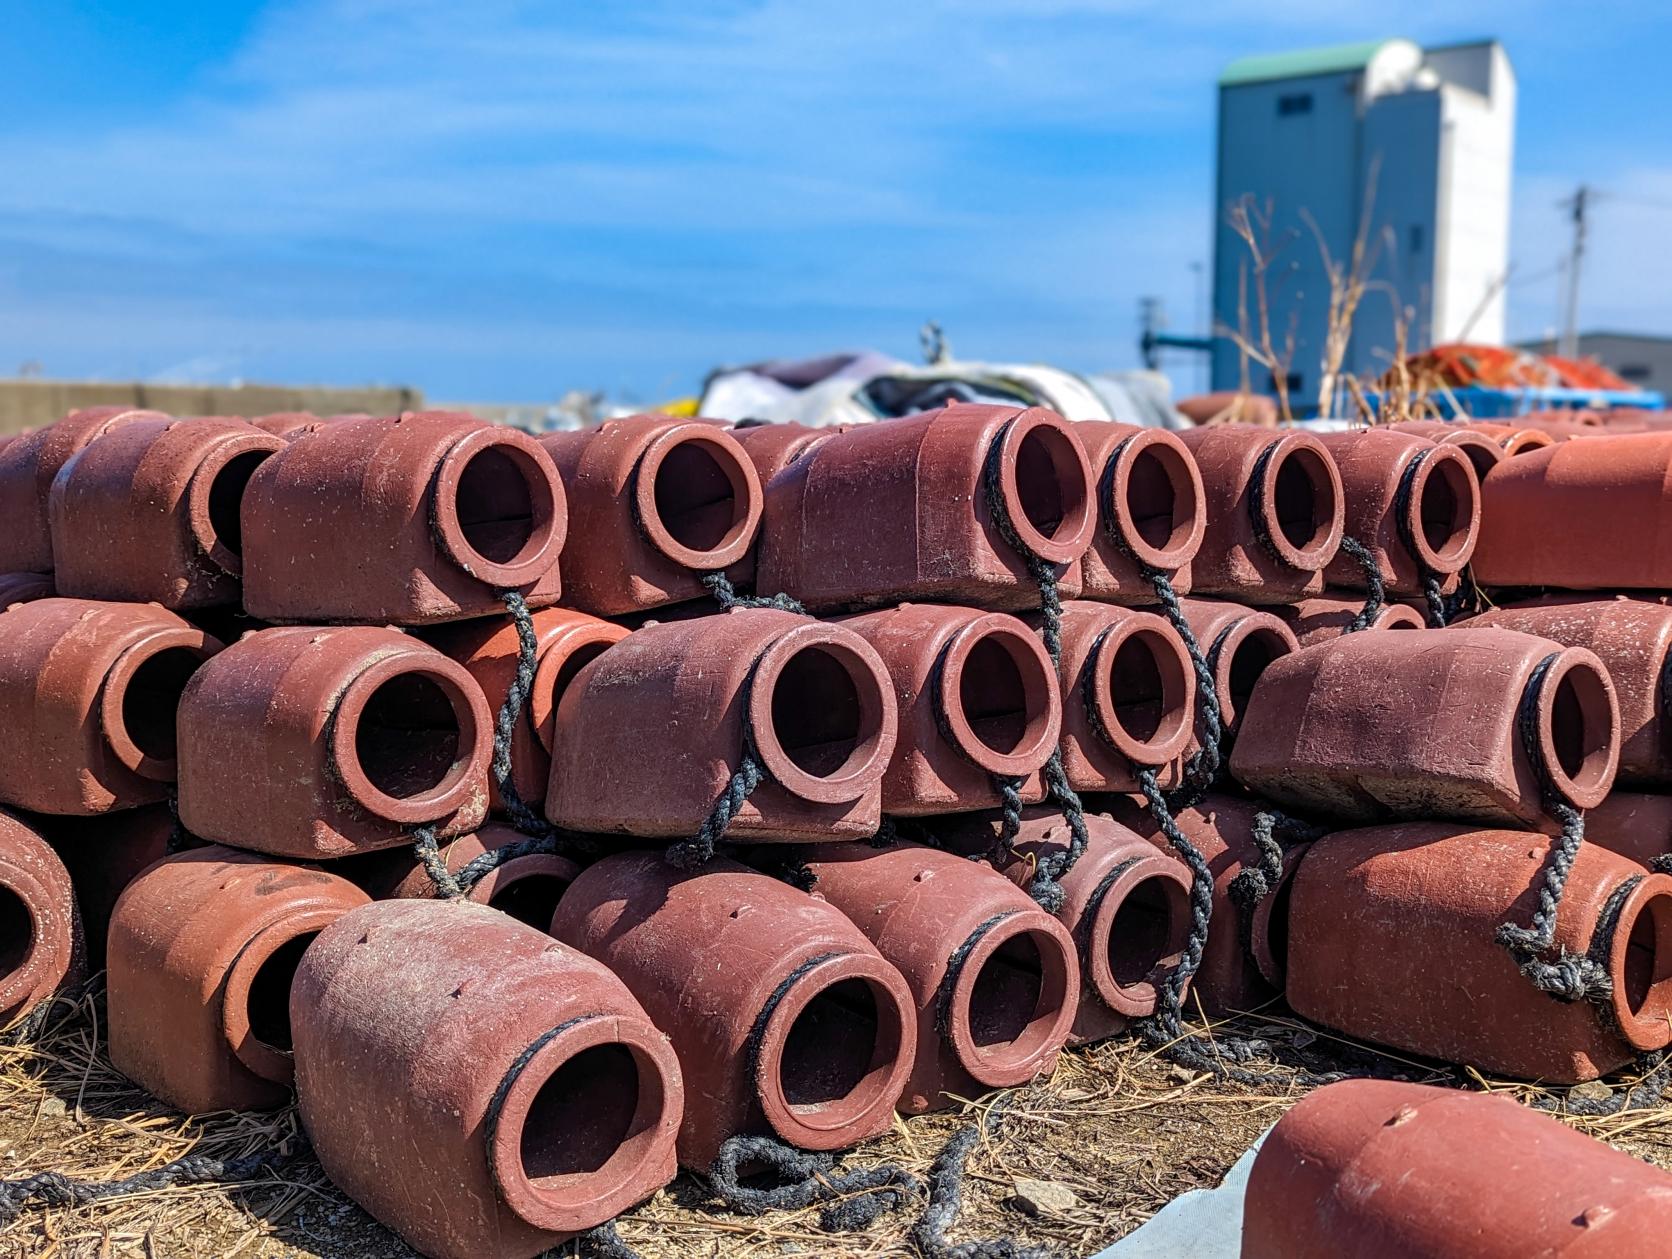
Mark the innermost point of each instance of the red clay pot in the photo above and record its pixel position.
(149, 513)
(1427, 723)
(527, 887)
(203, 946)
(1609, 499)
(994, 978)
(1274, 512)
(1633, 825)
(898, 510)
(773, 447)
(293, 424)
(1391, 938)
(488, 648)
(333, 740)
(87, 698)
(1320, 619)
(1381, 1170)
(103, 855)
(1634, 641)
(1244, 958)
(1482, 451)
(43, 952)
(1518, 440)
(1238, 643)
(24, 588)
(1151, 510)
(403, 520)
(1128, 694)
(1414, 504)
(656, 503)
(785, 1019)
(28, 465)
(1126, 906)
(977, 696)
(649, 734)
(479, 1088)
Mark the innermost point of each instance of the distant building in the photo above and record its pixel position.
(1642, 361)
(1305, 132)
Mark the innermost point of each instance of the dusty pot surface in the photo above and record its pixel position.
(977, 697)
(649, 734)
(202, 949)
(488, 648)
(1477, 724)
(1244, 959)
(87, 703)
(656, 502)
(1391, 937)
(44, 951)
(1482, 452)
(786, 1020)
(527, 887)
(1128, 695)
(773, 447)
(103, 855)
(481, 1089)
(1633, 825)
(995, 979)
(403, 520)
(29, 463)
(1151, 511)
(1414, 503)
(1382, 1170)
(1609, 496)
(346, 739)
(149, 512)
(1126, 905)
(1319, 619)
(1634, 640)
(904, 509)
(1274, 512)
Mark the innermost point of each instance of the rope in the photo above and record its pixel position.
(1431, 580)
(1043, 573)
(1258, 881)
(1569, 977)
(1377, 597)
(725, 594)
(603, 1242)
(806, 1177)
(511, 712)
(54, 1189)
(1203, 767)
(946, 1192)
(698, 851)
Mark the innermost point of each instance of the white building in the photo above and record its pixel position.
(1430, 132)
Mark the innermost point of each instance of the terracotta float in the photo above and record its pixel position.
(43, 952)
(1151, 511)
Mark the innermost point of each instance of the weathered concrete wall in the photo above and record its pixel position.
(27, 403)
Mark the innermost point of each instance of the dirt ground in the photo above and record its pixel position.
(1121, 1129)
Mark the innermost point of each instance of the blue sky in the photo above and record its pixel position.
(499, 201)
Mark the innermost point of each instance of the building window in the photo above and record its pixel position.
(1633, 371)
(1416, 238)
(1294, 103)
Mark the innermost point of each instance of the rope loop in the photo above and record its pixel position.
(806, 1177)
(725, 594)
(1376, 599)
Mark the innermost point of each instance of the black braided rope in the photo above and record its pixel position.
(1256, 882)
(1010, 816)
(1431, 580)
(1052, 868)
(1204, 765)
(698, 851)
(1569, 977)
(856, 1198)
(1377, 596)
(725, 594)
(604, 1242)
(1042, 571)
(946, 1199)
(54, 1189)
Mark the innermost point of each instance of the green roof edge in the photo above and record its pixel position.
(1294, 65)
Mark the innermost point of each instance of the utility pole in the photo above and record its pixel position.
(1576, 205)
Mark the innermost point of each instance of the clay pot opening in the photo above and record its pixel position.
(1303, 502)
(1446, 510)
(226, 498)
(1045, 481)
(556, 671)
(1011, 1004)
(406, 737)
(1482, 452)
(1046, 484)
(1251, 654)
(582, 1114)
(497, 507)
(1640, 965)
(1579, 730)
(1396, 616)
(152, 697)
(698, 497)
(1525, 441)
(267, 1003)
(17, 932)
(994, 696)
(530, 898)
(1158, 503)
(822, 721)
(998, 704)
(831, 1048)
(1149, 692)
(1147, 932)
(579, 1117)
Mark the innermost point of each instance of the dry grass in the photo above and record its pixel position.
(1122, 1129)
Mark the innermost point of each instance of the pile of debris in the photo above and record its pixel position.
(550, 814)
